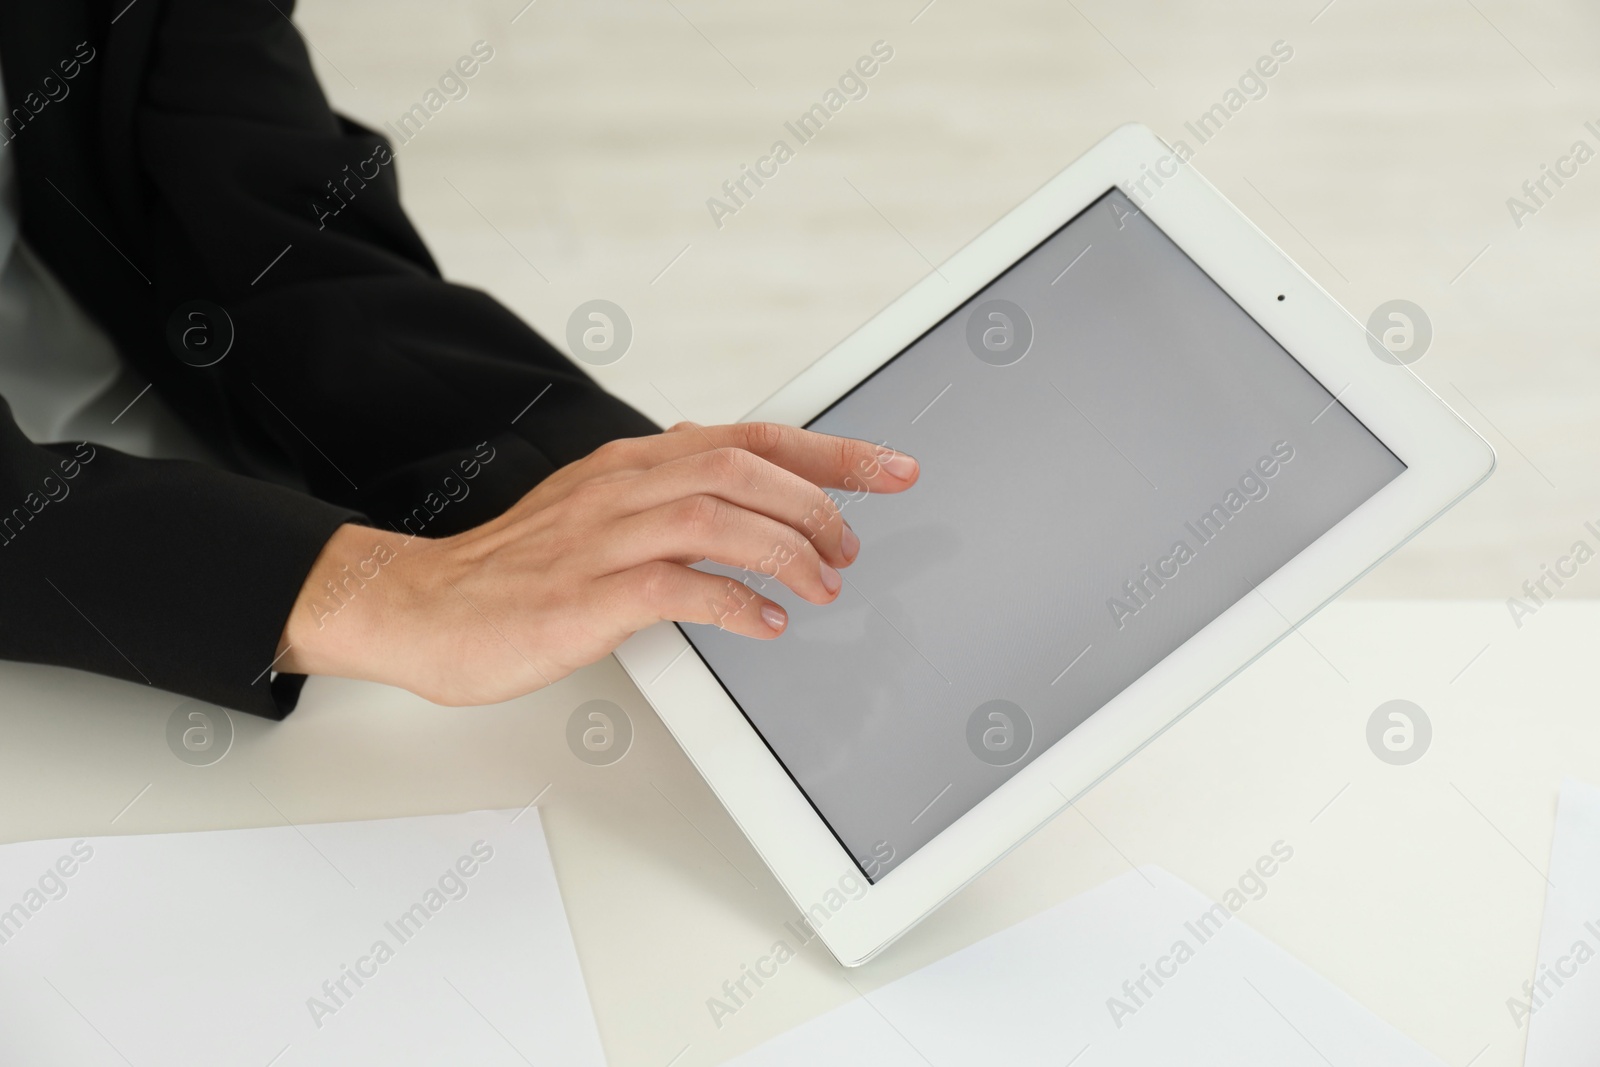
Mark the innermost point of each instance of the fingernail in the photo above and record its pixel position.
(849, 543)
(830, 579)
(774, 617)
(900, 465)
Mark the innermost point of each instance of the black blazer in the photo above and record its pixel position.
(169, 151)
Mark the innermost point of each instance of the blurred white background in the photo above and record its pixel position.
(1381, 158)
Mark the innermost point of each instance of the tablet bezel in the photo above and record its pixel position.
(1445, 459)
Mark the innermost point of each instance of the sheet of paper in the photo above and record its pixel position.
(439, 939)
(1143, 970)
(1560, 1002)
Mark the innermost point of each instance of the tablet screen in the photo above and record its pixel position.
(1113, 453)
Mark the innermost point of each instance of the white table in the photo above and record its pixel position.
(1416, 888)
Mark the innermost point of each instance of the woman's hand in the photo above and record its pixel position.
(595, 552)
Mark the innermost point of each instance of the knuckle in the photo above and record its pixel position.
(739, 464)
(824, 513)
(614, 449)
(847, 453)
(656, 581)
(791, 545)
(730, 603)
(685, 424)
(795, 541)
(702, 514)
(762, 438)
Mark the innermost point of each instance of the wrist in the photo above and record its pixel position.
(357, 590)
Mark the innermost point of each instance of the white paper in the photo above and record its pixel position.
(213, 948)
(1560, 1002)
(1041, 993)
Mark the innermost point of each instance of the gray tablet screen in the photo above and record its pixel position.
(1113, 452)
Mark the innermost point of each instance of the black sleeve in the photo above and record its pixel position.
(164, 572)
(396, 397)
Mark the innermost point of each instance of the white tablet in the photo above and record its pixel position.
(1150, 446)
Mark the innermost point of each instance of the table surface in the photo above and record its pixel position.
(1418, 889)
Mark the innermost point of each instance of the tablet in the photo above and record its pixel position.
(1150, 447)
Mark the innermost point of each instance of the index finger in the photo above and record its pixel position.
(822, 459)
